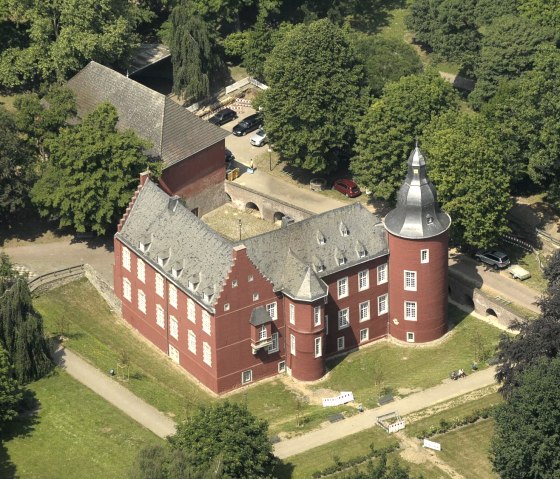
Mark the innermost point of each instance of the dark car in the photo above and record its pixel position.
(223, 116)
(229, 156)
(496, 259)
(347, 188)
(252, 122)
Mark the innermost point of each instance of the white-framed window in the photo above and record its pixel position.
(364, 335)
(160, 316)
(271, 310)
(363, 280)
(410, 337)
(274, 345)
(425, 256)
(173, 295)
(174, 354)
(342, 287)
(159, 285)
(382, 273)
(262, 333)
(191, 310)
(292, 313)
(206, 323)
(410, 310)
(326, 324)
(141, 270)
(246, 376)
(382, 304)
(206, 353)
(126, 258)
(127, 289)
(255, 296)
(343, 318)
(341, 260)
(226, 307)
(410, 280)
(234, 283)
(292, 345)
(173, 327)
(318, 347)
(192, 341)
(340, 343)
(141, 301)
(364, 311)
(282, 366)
(250, 278)
(317, 316)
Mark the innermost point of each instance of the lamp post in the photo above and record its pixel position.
(270, 158)
(239, 223)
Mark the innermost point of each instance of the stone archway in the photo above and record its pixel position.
(253, 208)
(491, 312)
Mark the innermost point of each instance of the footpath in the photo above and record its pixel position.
(415, 402)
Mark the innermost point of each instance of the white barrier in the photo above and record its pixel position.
(396, 426)
(436, 446)
(342, 398)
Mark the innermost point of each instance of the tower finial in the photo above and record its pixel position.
(416, 141)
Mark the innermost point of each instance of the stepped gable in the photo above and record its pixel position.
(180, 240)
(174, 132)
(296, 257)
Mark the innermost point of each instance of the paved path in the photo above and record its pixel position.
(114, 393)
(444, 392)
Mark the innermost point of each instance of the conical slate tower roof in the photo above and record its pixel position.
(417, 215)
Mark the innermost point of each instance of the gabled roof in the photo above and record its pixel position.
(174, 132)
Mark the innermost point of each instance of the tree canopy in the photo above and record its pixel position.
(10, 392)
(468, 165)
(386, 134)
(315, 96)
(92, 172)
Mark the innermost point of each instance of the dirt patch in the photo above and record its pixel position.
(406, 391)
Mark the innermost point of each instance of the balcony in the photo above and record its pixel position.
(260, 344)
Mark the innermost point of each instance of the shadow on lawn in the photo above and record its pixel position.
(283, 470)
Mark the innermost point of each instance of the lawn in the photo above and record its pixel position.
(529, 262)
(389, 366)
(466, 449)
(74, 434)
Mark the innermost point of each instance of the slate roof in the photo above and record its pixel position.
(417, 215)
(260, 316)
(175, 133)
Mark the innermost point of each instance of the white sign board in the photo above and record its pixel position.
(342, 398)
(436, 446)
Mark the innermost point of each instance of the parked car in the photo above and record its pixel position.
(229, 156)
(223, 116)
(259, 138)
(347, 188)
(496, 259)
(248, 124)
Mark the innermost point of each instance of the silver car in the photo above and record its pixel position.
(496, 259)
(259, 138)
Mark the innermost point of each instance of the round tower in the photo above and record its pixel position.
(418, 249)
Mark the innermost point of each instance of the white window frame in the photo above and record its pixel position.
(247, 376)
(292, 309)
(234, 283)
(127, 289)
(364, 337)
(317, 311)
(142, 301)
(250, 278)
(363, 280)
(344, 318)
(159, 285)
(272, 310)
(342, 287)
(226, 307)
(340, 343)
(173, 295)
(160, 316)
(263, 333)
(141, 270)
(424, 256)
(126, 258)
(410, 337)
(191, 341)
(206, 353)
(173, 353)
(410, 307)
(292, 345)
(382, 304)
(410, 280)
(364, 306)
(255, 296)
(318, 347)
(206, 323)
(382, 276)
(282, 367)
(191, 310)
(274, 344)
(173, 327)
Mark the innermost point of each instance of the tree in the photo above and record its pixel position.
(382, 470)
(387, 131)
(526, 443)
(10, 393)
(63, 35)
(230, 430)
(507, 50)
(385, 60)
(488, 10)
(468, 165)
(315, 96)
(16, 169)
(552, 269)
(92, 173)
(545, 12)
(196, 64)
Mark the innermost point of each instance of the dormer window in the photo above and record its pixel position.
(176, 272)
(162, 260)
(341, 260)
(340, 257)
(429, 219)
(360, 250)
(320, 268)
(344, 229)
(321, 238)
(144, 246)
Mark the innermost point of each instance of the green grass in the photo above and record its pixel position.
(455, 412)
(529, 262)
(74, 434)
(386, 365)
(7, 101)
(395, 28)
(466, 449)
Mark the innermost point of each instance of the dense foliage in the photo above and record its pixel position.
(92, 172)
(552, 269)
(10, 392)
(315, 96)
(382, 470)
(387, 132)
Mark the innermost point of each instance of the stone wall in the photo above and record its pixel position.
(103, 288)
